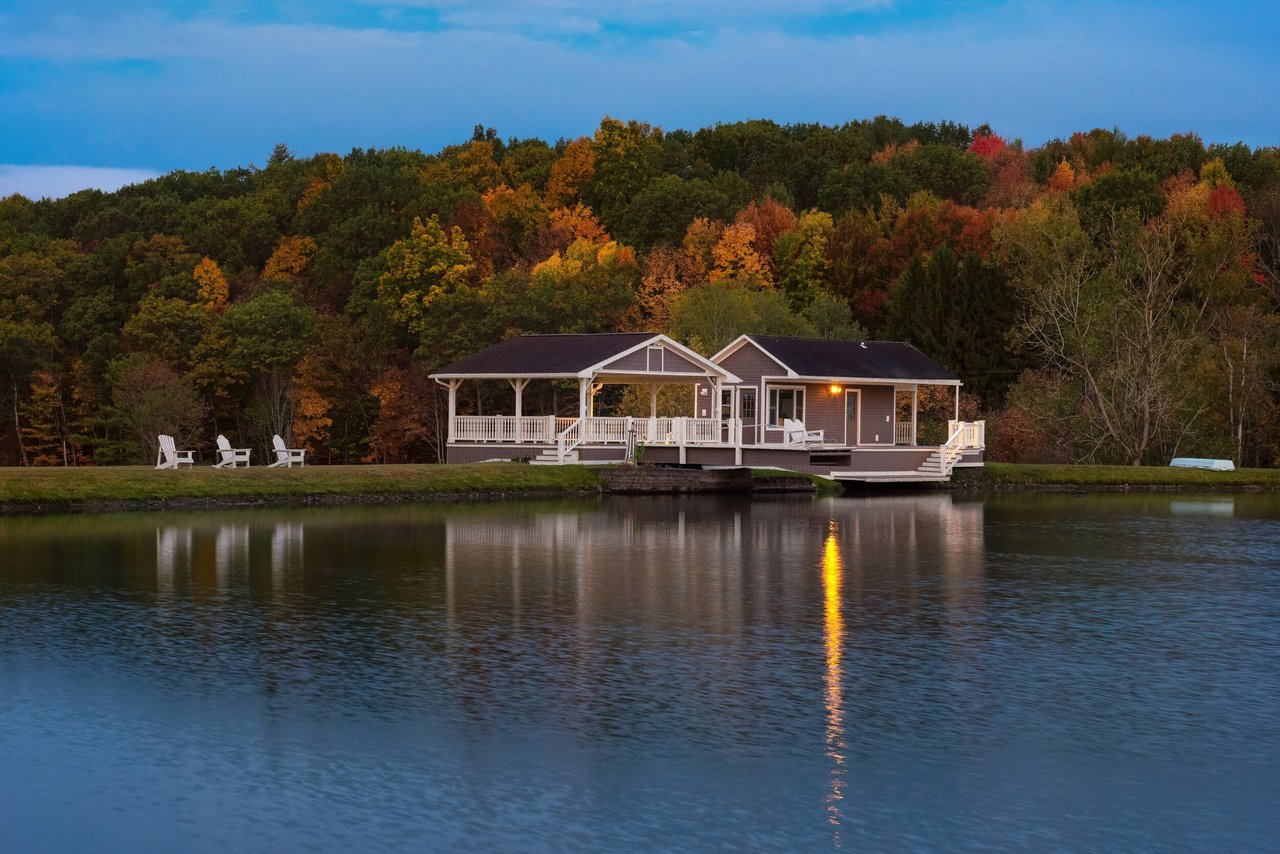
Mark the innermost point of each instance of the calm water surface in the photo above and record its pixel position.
(897, 673)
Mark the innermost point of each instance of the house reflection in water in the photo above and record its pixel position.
(699, 592)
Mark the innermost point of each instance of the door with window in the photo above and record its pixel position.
(852, 417)
(747, 412)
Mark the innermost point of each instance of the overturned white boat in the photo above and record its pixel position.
(1201, 463)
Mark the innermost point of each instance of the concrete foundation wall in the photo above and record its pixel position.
(906, 459)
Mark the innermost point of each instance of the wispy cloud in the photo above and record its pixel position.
(196, 89)
(54, 182)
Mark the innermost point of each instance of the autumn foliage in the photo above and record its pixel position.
(314, 296)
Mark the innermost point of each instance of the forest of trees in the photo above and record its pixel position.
(1103, 298)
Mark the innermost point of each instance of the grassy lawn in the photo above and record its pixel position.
(54, 488)
(69, 486)
(1008, 475)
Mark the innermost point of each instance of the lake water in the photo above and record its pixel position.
(1030, 672)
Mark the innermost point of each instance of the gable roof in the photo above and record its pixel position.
(563, 356)
(831, 359)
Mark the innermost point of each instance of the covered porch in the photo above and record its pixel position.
(592, 362)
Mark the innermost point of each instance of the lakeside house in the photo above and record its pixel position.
(848, 410)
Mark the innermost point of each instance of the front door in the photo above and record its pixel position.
(852, 417)
(747, 412)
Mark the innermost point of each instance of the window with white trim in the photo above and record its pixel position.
(726, 404)
(785, 402)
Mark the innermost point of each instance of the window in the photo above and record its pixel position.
(726, 404)
(747, 405)
(785, 403)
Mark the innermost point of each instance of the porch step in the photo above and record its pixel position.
(548, 458)
(932, 466)
(888, 477)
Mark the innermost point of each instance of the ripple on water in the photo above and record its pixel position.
(636, 675)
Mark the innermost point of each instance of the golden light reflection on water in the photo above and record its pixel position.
(833, 635)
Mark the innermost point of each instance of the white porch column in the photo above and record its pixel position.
(957, 403)
(518, 386)
(453, 405)
(915, 411)
(653, 400)
(584, 398)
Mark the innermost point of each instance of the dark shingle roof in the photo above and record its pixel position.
(888, 360)
(560, 355)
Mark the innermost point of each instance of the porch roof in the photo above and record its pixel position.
(579, 356)
(827, 359)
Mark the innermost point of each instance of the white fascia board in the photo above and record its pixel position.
(737, 345)
(794, 378)
(520, 376)
(642, 377)
(713, 369)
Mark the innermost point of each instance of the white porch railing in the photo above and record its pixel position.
(546, 430)
(508, 429)
(902, 433)
(973, 434)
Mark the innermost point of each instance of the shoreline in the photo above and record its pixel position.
(140, 488)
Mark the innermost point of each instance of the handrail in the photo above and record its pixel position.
(562, 439)
(953, 449)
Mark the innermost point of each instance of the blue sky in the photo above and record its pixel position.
(98, 94)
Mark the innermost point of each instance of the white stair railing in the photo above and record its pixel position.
(568, 439)
(953, 449)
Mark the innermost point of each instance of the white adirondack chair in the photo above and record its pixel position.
(229, 457)
(794, 433)
(286, 456)
(170, 457)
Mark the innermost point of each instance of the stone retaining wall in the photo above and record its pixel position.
(642, 479)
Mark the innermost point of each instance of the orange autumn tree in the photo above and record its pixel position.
(402, 430)
(1063, 177)
(571, 173)
(311, 421)
(770, 220)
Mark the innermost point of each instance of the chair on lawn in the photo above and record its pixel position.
(170, 457)
(229, 457)
(286, 456)
(794, 433)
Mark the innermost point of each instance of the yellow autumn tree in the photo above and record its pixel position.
(211, 285)
(734, 257)
(476, 166)
(289, 262)
(587, 288)
(700, 238)
(518, 213)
